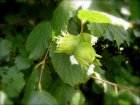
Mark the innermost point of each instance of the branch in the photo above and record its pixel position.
(42, 63)
(116, 86)
(82, 28)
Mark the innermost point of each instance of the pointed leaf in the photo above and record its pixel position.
(5, 48)
(102, 17)
(38, 40)
(71, 74)
(110, 32)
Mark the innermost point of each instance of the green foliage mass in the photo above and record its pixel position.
(101, 67)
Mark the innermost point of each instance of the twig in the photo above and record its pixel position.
(42, 63)
(116, 86)
(82, 28)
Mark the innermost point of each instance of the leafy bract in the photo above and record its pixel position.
(42, 98)
(5, 48)
(12, 82)
(71, 74)
(110, 32)
(38, 40)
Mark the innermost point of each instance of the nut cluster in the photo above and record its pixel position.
(80, 46)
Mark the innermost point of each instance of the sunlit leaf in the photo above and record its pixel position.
(102, 17)
(93, 16)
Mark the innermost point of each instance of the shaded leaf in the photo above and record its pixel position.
(22, 62)
(5, 48)
(12, 82)
(42, 98)
(31, 85)
(46, 78)
(69, 94)
(38, 40)
(123, 98)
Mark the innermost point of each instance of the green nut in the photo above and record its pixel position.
(85, 55)
(85, 37)
(67, 44)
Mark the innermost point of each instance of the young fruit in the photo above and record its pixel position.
(67, 43)
(85, 37)
(85, 55)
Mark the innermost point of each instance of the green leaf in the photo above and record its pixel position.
(46, 78)
(69, 73)
(69, 94)
(129, 97)
(22, 62)
(102, 17)
(93, 16)
(110, 32)
(5, 48)
(31, 85)
(42, 98)
(12, 82)
(77, 99)
(38, 40)
(62, 14)
(123, 98)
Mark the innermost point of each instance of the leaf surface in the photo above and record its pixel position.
(5, 48)
(70, 73)
(42, 98)
(69, 94)
(38, 40)
(110, 32)
(13, 82)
